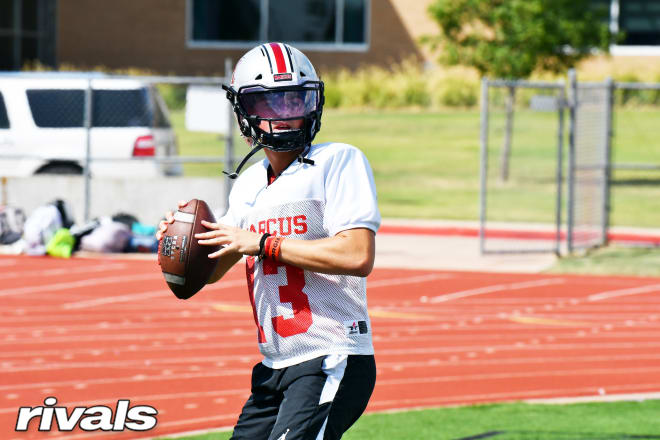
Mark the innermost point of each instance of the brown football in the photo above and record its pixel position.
(185, 263)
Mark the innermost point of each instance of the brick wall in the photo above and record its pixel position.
(150, 34)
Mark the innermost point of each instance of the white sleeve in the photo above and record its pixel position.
(350, 193)
(228, 218)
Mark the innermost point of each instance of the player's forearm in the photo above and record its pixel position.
(347, 253)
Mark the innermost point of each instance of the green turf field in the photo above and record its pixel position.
(514, 421)
(612, 260)
(426, 164)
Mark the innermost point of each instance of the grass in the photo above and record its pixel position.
(426, 163)
(612, 260)
(513, 421)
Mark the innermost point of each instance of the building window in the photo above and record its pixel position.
(640, 21)
(312, 24)
(27, 32)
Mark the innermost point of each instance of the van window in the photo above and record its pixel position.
(58, 108)
(4, 120)
(121, 108)
(64, 108)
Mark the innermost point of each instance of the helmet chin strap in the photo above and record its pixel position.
(247, 157)
(301, 159)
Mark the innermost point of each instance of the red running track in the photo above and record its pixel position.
(92, 332)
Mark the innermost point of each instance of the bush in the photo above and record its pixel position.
(457, 92)
(404, 85)
(174, 95)
(631, 97)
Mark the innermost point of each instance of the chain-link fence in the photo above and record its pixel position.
(611, 171)
(521, 166)
(130, 143)
(635, 174)
(589, 164)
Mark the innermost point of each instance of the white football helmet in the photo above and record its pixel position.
(277, 97)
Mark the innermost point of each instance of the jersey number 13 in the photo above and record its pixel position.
(291, 292)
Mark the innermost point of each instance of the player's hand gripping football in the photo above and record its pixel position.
(233, 240)
(169, 219)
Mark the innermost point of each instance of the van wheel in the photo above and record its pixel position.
(60, 168)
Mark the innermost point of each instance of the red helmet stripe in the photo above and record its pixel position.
(279, 57)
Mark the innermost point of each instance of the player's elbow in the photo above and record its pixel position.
(362, 266)
(360, 249)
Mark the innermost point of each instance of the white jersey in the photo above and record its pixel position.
(302, 314)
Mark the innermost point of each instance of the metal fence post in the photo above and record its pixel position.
(88, 152)
(229, 140)
(560, 167)
(17, 30)
(573, 103)
(608, 157)
(505, 157)
(484, 164)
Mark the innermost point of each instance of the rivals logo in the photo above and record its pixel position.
(138, 418)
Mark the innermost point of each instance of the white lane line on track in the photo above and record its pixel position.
(114, 299)
(381, 352)
(77, 284)
(85, 317)
(624, 292)
(501, 302)
(492, 289)
(136, 363)
(485, 338)
(146, 398)
(165, 306)
(238, 372)
(586, 345)
(64, 271)
(408, 280)
(250, 343)
(131, 337)
(185, 422)
(168, 361)
(105, 325)
(485, 310)
(133, 379)
(4, 262)
(131, 297)
(599, 398)
(132, 349)
(514, 361)
(514, 395)
(517, 375)
(248, 332)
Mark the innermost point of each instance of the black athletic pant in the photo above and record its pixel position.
(304, 402)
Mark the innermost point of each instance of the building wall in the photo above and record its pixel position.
(415, 18)
(151, 34)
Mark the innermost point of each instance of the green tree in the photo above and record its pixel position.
(513, 38)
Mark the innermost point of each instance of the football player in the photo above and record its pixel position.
(306, 219)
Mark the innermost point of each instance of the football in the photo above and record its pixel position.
(185, 263)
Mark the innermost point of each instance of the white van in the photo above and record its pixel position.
(42, 126)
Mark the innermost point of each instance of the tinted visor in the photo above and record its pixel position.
(277, 104)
